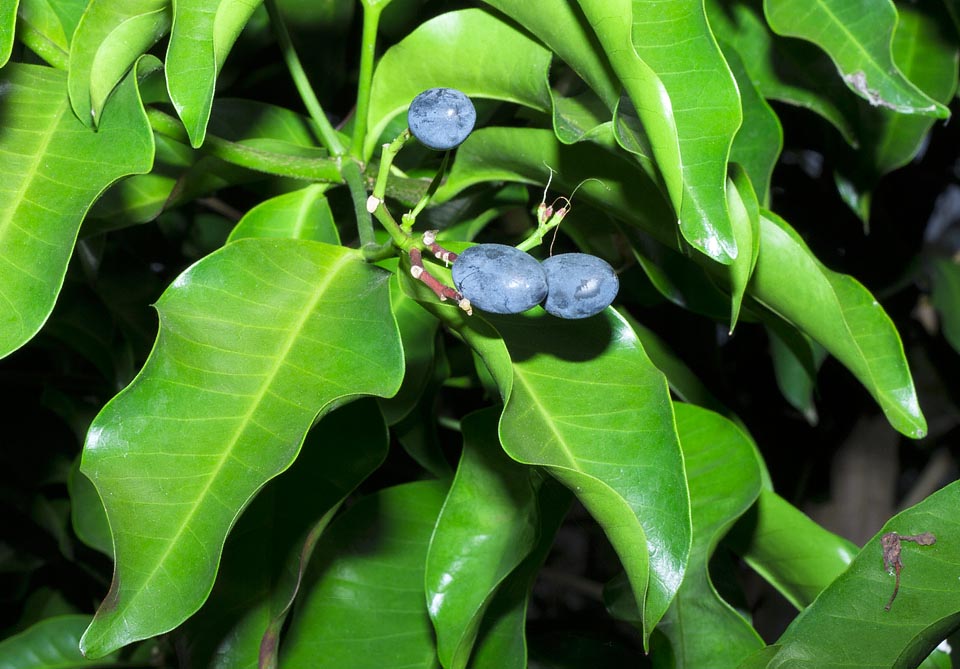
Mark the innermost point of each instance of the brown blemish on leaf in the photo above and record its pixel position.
(891, 544)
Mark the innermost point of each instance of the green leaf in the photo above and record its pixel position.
(110, 37)
(300, 214)
(858, 37)
(945, 297)
(925, 50)
(137, 199)
(47, 26)
(87, 514)
(759, 141)
(565, 31)
(8, 20)
(745, 216)
(642, 85)
(848, 622)
(202, 35)
(515, 71)
(839, 313)
(792, 71)
(487, 526)
(53, 170)
(267, 552)
(418, 331)
(577, 118)
(796, 361)
(611, 181)
(587, 404)
(501, 642)
(791, 552)
(705, 106)
(255, 341)
(364, 605)
(49, 644)
(725, 478)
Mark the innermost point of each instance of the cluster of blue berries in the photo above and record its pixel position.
(505, 280)
(497, 278)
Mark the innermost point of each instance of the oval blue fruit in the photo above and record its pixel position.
(441, 118)
(579, 285)
(500, 279)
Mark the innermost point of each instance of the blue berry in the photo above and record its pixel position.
(441, 118)
(579, 285)
(500, 279)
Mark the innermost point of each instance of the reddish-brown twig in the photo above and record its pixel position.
(443, 292)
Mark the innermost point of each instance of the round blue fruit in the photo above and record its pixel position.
(441, 118)
(579, 285)
(500, 279)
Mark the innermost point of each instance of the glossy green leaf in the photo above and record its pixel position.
(299, 214)
(137, 199)
(578, 117)
(255, 340)
(848, 623)
(796, 361)
(725, 478)
(945, 296)
(793, 553)
(925, 50)
(110, 38)
(759, 140)
(267, 552)
(49, 644)
(705, 105)
(46, 26)
(363, 605)
(724, 475)
(840, 314)
(87, 514)
(202, 35)
(587, 404)
(792, 71)
(53, 170)
(745, 216)
(8, 20)
(644, 88)
(418, 331)
(611, 181)
(515, 71)
(487, 526)
(563, 28)
(857, 36)
(501, 642)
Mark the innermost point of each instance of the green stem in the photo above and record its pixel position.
(536, 237)
(411, 216)
(314, 169)
(389, 152)
(400, 239)
(328, 135)
(358, 193)
(368, 52)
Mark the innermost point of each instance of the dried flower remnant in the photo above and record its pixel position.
(891, 544)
